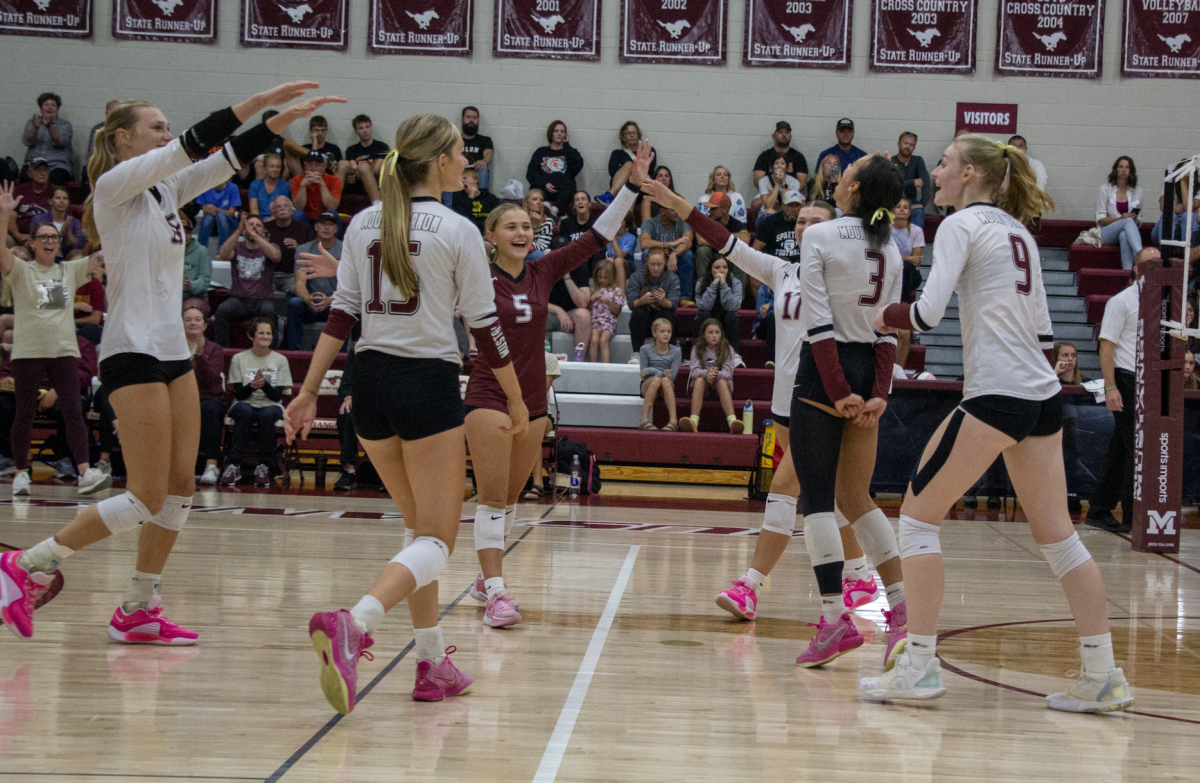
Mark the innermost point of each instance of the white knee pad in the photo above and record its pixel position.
(822, 539)
(876, 537)
(123, 512)
(174, 513)
(409, 535)
(510, 518)
(840, 517)
(425, 559)
(780, 516)
(1065, 556)
(489, 528)
(918, 538)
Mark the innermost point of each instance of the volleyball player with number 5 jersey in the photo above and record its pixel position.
(1012, 405)
(406, 262)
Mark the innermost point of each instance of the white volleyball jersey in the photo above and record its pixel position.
(1119, 326)
(135, 207)
(990, 259)
(451, 265)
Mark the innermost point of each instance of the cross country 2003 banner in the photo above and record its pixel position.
(1050, 39)
(192, 21)
(923, 36)
(46, 18)
(673, 31)
(1162, 38)
(547, 29)
(295, 24)
(798, 33)
(421, 27)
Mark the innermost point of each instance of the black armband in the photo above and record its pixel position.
(207, 136)
(254, 142)
(242, 391)
(274, 393)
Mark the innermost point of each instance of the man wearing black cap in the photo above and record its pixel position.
(315, 191)
(797, 165)
(314, 295)
(35, 199)
(844, 150)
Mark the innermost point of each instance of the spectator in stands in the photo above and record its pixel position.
(329, 153)
(315, 191)
(1178, 223)
(347, 434)
(797, 166)
(89, 302)
(553, 168)
(652, 292)
(659, 362)
(622, 249)
(259, 378)
(275, 146)
(48, 137)
(774, 185)
(578, 223)
(711, 373)
(570, 307)
(253, 258)
(477, 148)
(1065, 361)
(1190, 381)
(668, 232)
(718, 208)
(845, 150)
(620, 162)
(825, 182)
(473, 203)
(220, 207)
(34, 199)
(764, 320)
(197, 263)
(916, 177)
(777, 233)
(314, 295)
(607, 300)
(718, 297)
(1019, 142)
(1118, 210)
(645, 206)
(535, 205)
(287, 233)
(910, 240)
(721, 181)
(59, 444)
(271, 186)
(208, 360)
(69, 228)
(364, 160)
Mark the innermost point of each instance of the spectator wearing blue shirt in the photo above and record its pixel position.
(764, 320)
(845, 150)
(623, 248)
(263, 191)
(219, 208)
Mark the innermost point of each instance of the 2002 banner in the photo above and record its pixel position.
(673, 31)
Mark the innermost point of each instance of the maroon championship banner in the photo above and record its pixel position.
(1162, 38)
(295, 24)
(786, 33)
(1050, 39)
(189, 21)
(673, 31)
(547, 29)
(421, 27)
(46, 18)
(923, 36)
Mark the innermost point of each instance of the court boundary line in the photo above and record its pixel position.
(125, 775)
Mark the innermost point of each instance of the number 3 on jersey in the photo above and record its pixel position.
(876, 279)
(375, 303)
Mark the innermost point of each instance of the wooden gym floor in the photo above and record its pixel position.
(623, 669)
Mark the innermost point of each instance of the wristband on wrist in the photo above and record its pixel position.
(1109, 388)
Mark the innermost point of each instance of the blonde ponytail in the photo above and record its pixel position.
(1005, 173)
(104, 156)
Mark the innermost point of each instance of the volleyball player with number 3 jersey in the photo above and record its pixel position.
(406, 262)
(1012, 405)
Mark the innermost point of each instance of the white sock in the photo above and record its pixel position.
(921, 650)
(832, 607)
(755, 578)
(430, 646)
(142, 587)
(367, 614)
(895, 593)
(1097, 653)
(45, 557)
(856, 569)
(494, 585)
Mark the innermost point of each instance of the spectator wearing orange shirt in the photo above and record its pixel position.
(315, 191)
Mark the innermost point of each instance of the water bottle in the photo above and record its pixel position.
(575, 477)
(322, 465)
(748, 417)
(549, 348)
(579, 352)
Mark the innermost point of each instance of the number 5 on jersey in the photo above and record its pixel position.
(375, 302)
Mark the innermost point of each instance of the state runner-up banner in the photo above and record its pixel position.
(189, 21)
(1162, 38)
(798, 33)
(1050, 39)
(547, 29)
(673, 31)
(421, 27)
(295, 24)
(46, 18)
(923, 36)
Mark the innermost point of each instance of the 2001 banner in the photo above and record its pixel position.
(923, 36)
(1050, 39)
(297, 24)
(1162, 38)
(798, 33)
(673, 31)
(193, 21)
(547, 29)
(423, 27)
(68, 18)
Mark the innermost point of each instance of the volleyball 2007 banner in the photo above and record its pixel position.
(1050, 39)
(295, 24)
(63, 19)
(798, 33)
(547, 29)
(673, 31)
(188, 21)
(440, 27)
(923, 36)
(1162, 38)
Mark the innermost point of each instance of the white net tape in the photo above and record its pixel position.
(1187, 169)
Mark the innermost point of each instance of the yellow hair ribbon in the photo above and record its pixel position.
(1005, 148)
(879, 213)
(389, 163)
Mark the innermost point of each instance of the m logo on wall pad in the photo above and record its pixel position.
(1163, 525)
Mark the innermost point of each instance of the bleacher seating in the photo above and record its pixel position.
(1102, 281)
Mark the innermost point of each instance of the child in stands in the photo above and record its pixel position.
(712, 371)
(607, 301)
(659, 361)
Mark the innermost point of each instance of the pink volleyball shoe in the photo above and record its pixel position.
(858, 592)
(479, 589)
(897, 631)
(741, 600)
(339, 645)
(148, 626)
(19, 594)
(831, 641)
(435, 683)
(501, 611)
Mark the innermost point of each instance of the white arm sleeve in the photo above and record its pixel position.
(473, 276)
(129, 178)
(203, 175)
(949, 258)
(608, 223)
(348, 296)
(816, 315)
(754, 262)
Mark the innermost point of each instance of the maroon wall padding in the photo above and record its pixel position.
(712, 418)
(931, 226)
(1081, 256)
(916, 358)
(1102, 282)
(1047, 233)
(298, 361)
(1095, 307)
(754, 352)
(640, 447)
(353, 203)
(687, 321)
(747, 384)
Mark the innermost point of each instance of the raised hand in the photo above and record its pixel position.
(283, 93)
(312, 265)
(299, 111)
(641, 164)
(7, 202)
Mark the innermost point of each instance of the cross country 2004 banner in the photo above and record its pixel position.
(1050, 39)
(46, 18)
(923, 36)
(421, 27)
(192, 21)
(295, 24)
(1162, 38)
(547, 29)
(798, 33)
(673, 31)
